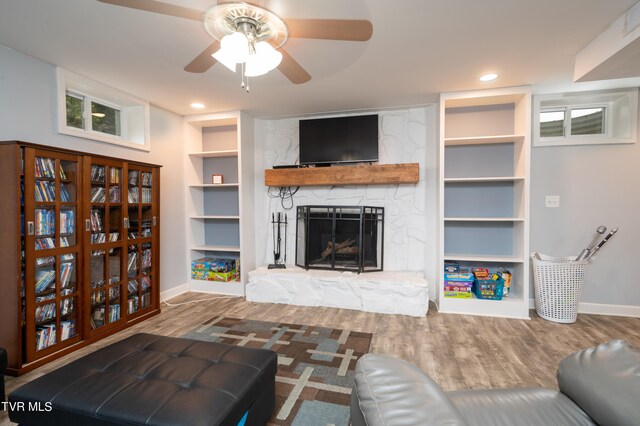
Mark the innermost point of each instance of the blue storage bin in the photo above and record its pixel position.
(488, 289)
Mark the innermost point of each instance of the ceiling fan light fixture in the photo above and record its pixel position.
(265, 59)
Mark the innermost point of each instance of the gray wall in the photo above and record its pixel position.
(597, 185)
(28, 112)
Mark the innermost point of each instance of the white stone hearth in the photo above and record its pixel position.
(387, 292)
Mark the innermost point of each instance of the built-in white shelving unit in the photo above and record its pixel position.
(484, 193)
(221, 222)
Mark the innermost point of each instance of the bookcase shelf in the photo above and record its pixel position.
(213, 154)
(69, 262)
(484, 193)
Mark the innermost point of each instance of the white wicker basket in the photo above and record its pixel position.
(558, 286)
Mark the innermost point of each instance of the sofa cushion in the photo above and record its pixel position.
(391, 391)
(604, 381)
(518, 406)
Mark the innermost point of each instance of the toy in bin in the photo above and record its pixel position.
(487, 285)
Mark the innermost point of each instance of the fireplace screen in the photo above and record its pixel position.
(340, 237)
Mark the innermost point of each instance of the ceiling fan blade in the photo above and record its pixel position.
(204, 60)
(330, 29)
(159, 7)
(292, 69)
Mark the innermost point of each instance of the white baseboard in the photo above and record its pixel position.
(603, 309)
(174, 291)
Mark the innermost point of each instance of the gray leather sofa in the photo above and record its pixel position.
(598, 386)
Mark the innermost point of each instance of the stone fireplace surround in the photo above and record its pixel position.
(387, 292)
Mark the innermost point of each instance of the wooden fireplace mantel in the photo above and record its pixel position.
(343, 175)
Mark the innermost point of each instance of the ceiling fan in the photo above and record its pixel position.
(259, 25)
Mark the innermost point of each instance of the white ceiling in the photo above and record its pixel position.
(419, 49)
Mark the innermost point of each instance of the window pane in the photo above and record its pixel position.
(105, 119)
(552, 123)
(74, 112)
(587, 121)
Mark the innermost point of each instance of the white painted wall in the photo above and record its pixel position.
(597, 185)
(406, 136)
(28, 113)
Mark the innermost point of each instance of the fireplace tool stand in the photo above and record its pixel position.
(279, 221)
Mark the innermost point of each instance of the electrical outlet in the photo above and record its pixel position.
(552, 201)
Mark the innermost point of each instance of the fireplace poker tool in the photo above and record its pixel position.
(277, 222)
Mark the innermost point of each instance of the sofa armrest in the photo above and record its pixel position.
(389, 391)
(604, 381)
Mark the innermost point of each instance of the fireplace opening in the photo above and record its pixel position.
(348, 238)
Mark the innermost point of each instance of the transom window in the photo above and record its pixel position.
(585, 118)
(92, 110)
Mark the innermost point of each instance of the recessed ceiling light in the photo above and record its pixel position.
(488, 77)
(197, 105)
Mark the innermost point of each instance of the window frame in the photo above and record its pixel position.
(134, 112)
(620, 116)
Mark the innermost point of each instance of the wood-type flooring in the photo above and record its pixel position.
(457, 351)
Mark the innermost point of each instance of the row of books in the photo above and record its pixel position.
(101, 237)
(45, 222)
(45, 312)
(132, 261)
(133, 304)
(133, 178)
(46, 334)
(98, 194)
(67, 221)
(45, 279)
(67, 306)
(146, 195)
(66, 273)
(146, 258)
(133, 195)
(97, 173)
(46, 167)
(96, 220)
(45, 191)
(98, 315)
(114, 194)
(45, 243)
(115, 175)
(146, 179)
(52, 295)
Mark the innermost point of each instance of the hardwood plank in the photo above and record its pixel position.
(343, 175)
(457, 351)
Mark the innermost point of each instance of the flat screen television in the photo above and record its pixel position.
(324, 141)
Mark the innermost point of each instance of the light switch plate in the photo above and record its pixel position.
(552, 201)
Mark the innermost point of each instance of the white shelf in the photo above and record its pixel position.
(508, 307)
(484, 179)
(230, 288)
(206, 217)
(483, 258)
(483, 219)
(214, 185)
(209, 154)
(234, 249)
(483, 140)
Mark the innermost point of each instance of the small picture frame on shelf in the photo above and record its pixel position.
(217, 179)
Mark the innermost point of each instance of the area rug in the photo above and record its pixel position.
(315, 365)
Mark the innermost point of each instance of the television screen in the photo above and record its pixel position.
(339, 140)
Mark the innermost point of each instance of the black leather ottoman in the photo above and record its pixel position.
(155, 380)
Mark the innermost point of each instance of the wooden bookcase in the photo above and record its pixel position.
(81, 240)
(484, 193)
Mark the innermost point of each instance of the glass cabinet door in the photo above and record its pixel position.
(51, 293)
(106, 254)
(141, 235)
